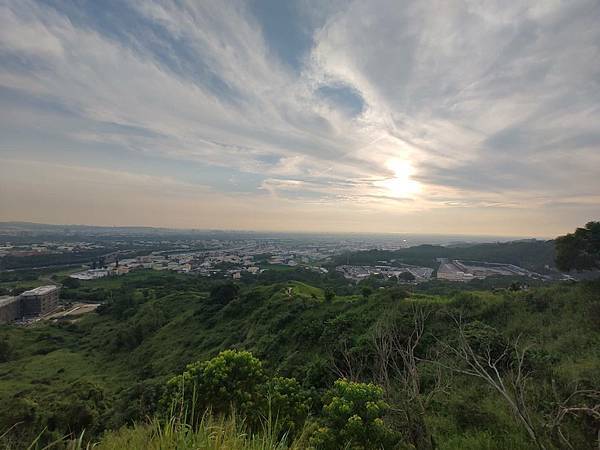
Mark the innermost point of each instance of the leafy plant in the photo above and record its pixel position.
(233, 379)
(353, 417)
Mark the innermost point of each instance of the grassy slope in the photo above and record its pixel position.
(291, 327)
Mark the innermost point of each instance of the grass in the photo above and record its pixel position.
(297, 289)
(483, 440)
(212, 433)
(137, 276)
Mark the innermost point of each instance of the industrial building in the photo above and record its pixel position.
(39, 301)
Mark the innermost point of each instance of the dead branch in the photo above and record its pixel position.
(347, 364)
(581, 402)
(510, 382)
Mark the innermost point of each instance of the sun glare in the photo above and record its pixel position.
(401, 185)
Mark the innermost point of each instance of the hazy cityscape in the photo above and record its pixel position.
(107, 252)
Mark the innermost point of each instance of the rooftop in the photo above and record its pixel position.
(6, 300)
(41, 290)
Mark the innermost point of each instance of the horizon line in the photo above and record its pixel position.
(246, 230)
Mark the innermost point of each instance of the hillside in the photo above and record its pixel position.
(537, 256)
(110, 368)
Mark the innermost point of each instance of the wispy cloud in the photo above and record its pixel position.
(495, 106)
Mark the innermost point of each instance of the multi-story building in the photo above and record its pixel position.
(40, 300)
(10, 309)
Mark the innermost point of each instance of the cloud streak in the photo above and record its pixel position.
(494, 106)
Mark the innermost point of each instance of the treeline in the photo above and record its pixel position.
(533, 255)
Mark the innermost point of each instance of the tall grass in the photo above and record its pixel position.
(212, 433)
(185, 427)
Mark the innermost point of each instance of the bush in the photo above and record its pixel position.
(233, 379)
(7, 350)
(329, 295)
(136, 403)
(71, 283)
(222, 294)
(397, 293)
(353, 418)
(288, 403)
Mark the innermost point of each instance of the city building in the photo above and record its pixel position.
(10, 309)
(39, 301)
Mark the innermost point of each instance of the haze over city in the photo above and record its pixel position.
(340, 116)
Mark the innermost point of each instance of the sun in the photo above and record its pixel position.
(401, 185)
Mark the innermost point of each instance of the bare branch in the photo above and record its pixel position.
(490, 367)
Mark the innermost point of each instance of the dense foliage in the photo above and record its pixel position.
(579, 250)
(230, 380)
(165, 345)
(353, 415)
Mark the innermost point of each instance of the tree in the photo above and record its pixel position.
(366, 292)
(71, 283)
(136, 403)
(286, 402)
(329, 295)
(398, 369)
(79, 408)
(397, 293)
(24, 417)
(579, 250)
(232, 379)
(6, 350)
(235, 381)
(406, 277)
(580, 403)
(506, 366)
(482, 353)
(224, 293)
(353, 418)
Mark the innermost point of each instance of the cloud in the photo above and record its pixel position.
(472, 86)
(493, 105)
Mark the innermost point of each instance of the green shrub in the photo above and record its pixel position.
(7, 350)
(353, 418)
(223, 294)
(287, 402)
(233, 379)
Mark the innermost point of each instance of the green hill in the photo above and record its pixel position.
(109, 369)
(531, 254)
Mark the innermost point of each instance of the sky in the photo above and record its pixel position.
(467, 117)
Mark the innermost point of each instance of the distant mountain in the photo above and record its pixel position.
(40, 232)
(40, 227)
